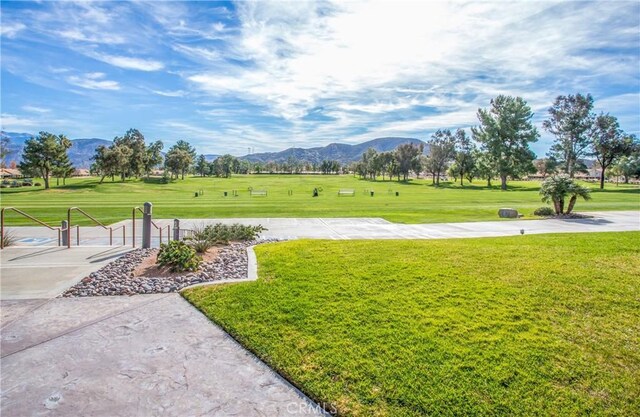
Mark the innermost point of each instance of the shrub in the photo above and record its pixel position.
(37, 184)
(178, 256)
(199, 241)
(221, 233)
(8, 239)
(544, 211)
(558, 187)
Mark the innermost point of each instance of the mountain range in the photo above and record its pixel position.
(83, 149)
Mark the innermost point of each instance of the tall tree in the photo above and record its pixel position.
(41, 155)
(153, 156)
(609, 142)
(202, 166)
(505, 132)
(546, 166)
(442, 149)
(407, 156)
(5, 150)
(182, 155)
(629, 166)
(63, 167)
(570, 120)
(464, 161)
(105, 163)
(134, 140)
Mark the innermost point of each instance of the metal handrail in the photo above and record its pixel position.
(96, 221)
(133, 225)
(22, 213)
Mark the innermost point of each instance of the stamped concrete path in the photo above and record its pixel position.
(152, 355)
(145, 355)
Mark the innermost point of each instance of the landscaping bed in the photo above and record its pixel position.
(137, 272)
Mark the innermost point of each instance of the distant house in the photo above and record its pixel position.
(10, 173)
(81, 172)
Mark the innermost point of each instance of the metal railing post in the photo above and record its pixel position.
(146, 226)
(133, 231)
(69, 228)
(110, 236)
(77, 235)
(176, 229)
(65, 236)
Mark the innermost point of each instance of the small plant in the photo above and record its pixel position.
(222, 234)
(37, 184)
(544, 211)
(178, 256)
(200, 240)
(8, 239)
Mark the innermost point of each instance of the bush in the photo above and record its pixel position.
(199, 241)
(37, 184)
(221, 233)
(544, 211)
(8, 239)
(178, 256)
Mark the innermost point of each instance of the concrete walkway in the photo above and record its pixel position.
(358, 228)
(45, 272)
(147, 355)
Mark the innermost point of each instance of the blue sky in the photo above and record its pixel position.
(270, 75)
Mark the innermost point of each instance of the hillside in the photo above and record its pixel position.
(80, 153)
(83, 149)
(335, 151)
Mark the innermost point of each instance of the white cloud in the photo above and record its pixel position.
(176, 93)
(14, 123)
(382, 57)
(35, 109)
(10, 30)
(130, 62)
(93, 81)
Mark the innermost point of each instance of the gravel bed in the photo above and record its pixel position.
(116, 278)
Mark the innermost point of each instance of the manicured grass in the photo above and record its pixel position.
(526, 325)
(418, 202)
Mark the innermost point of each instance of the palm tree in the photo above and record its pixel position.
(577, 190)
(556, 188)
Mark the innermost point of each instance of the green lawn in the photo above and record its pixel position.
(418, 202)
(526, 325)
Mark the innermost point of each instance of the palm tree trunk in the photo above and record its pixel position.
(572, 202)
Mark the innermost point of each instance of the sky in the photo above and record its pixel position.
(234, 77)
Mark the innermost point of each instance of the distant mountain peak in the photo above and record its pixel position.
(341, 152)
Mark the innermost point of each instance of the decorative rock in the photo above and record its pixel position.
(508, 213)
(116, 278)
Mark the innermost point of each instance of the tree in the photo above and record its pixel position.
(134, 140)
(609, 142)
(570, 120)
(43, 154)
(180, 157)
(105, 163)
(407, 156)
(558, 187)
(202, 167)
(63, 167)
(153, 156)
(464, 150)
(5, 150)
(442, 149)
(484, 166)
(546, 166)
(505, 132)
(629, 166)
